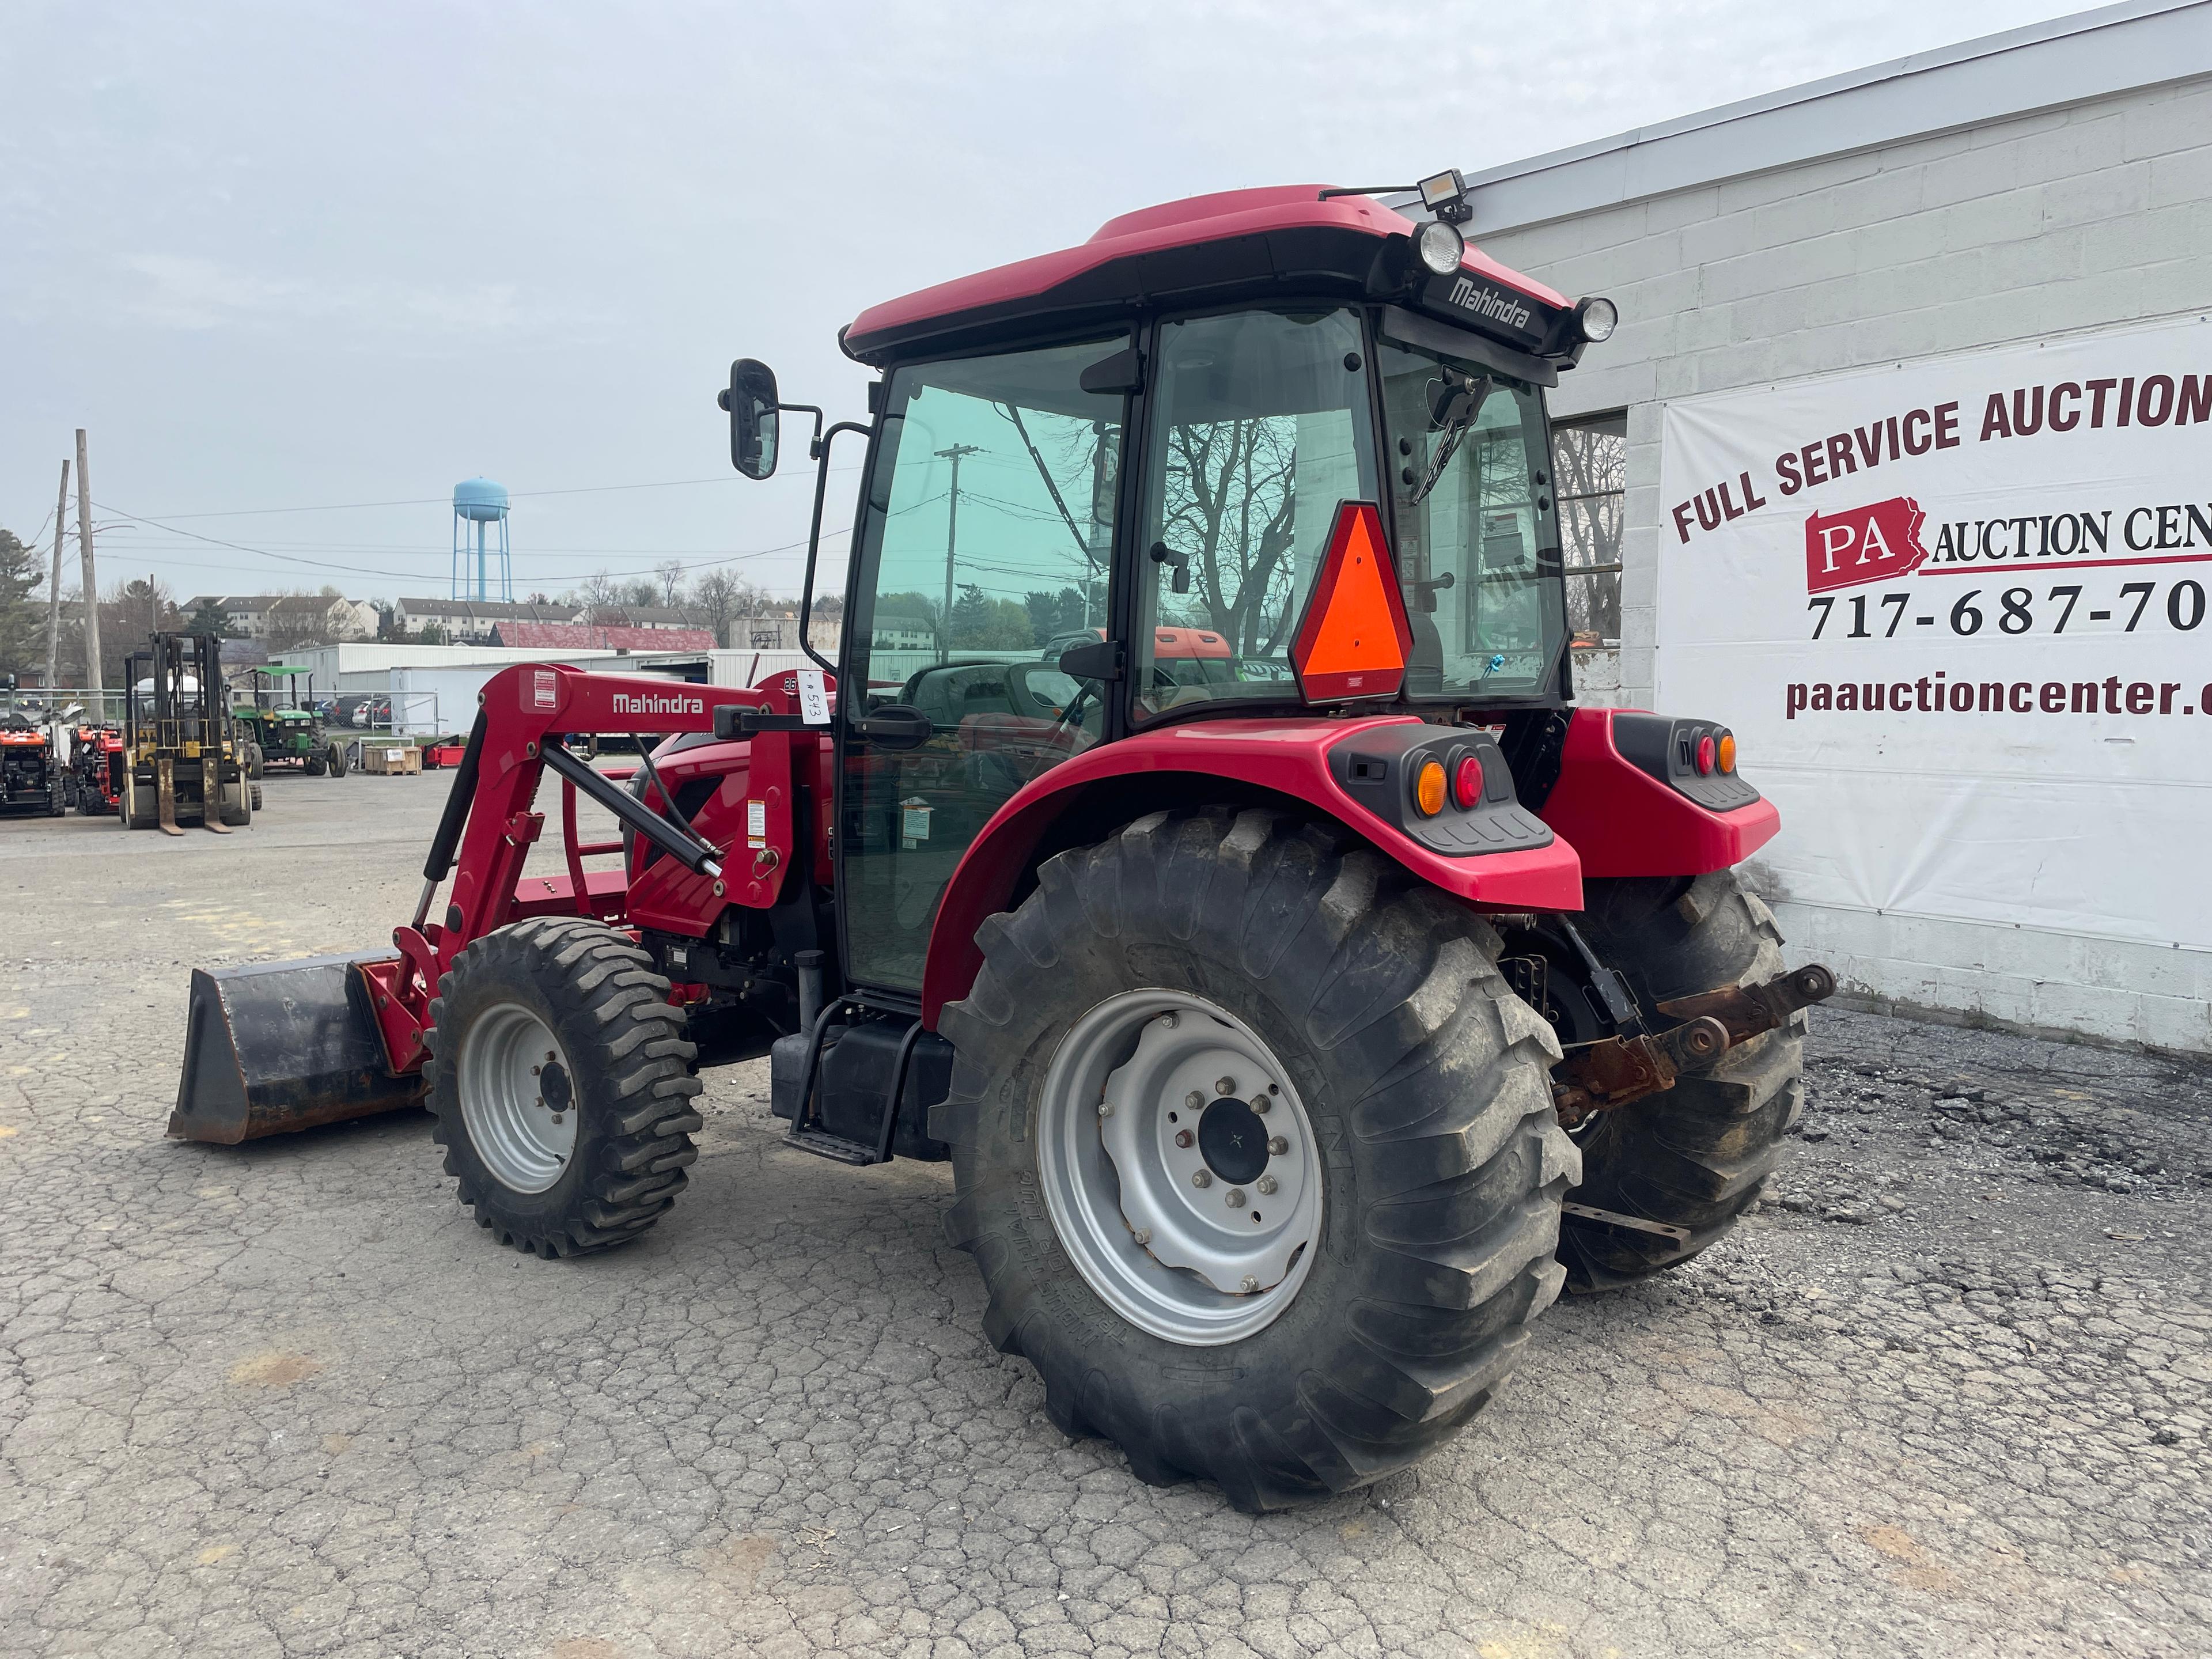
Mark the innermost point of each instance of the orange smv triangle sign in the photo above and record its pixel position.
(1354, 639)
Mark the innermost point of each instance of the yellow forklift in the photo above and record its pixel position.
(180, 759)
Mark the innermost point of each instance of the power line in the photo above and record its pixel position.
(440, 501)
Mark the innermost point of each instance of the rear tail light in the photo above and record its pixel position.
(1705, 756)
(1727, 757)
(1429, 789)
(1467, 782)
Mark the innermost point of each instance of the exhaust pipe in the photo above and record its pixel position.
(274, 1047)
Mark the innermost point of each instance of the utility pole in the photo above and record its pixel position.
(54, 595)
(952, 536)
(91, 582)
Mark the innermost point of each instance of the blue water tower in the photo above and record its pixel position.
(478, 504)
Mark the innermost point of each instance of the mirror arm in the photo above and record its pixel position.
(821, 447)
(814, 444)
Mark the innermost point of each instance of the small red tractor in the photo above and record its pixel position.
(32, 777)
(96, 769)
(1196, 843)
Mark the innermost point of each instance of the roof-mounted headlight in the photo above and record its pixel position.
(1596, 319)
(1440, 245)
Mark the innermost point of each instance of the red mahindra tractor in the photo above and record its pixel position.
(1195, 842)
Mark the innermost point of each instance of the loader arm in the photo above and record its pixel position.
(267, 1043)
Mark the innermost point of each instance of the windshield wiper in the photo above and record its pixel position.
(1458, 414)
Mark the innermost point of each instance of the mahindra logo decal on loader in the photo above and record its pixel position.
(1862, 544)
(630, 703)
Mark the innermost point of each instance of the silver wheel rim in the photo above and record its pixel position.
(518, 1098)
(1173, 1215)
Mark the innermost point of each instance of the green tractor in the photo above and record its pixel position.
(278, 724)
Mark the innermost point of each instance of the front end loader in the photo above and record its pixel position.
(1196, 842)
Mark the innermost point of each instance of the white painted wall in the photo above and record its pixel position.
(2087, 213)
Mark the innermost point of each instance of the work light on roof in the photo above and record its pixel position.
(1440, 245)
(1445, 195)
(1597, 318)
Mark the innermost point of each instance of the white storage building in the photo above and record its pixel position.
(1902, 437)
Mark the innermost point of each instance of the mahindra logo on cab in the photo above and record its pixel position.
(630, 703)
(1489, 304)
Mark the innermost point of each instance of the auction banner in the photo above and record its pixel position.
(1956, 611)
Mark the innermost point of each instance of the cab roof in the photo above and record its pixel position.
(1221, 247)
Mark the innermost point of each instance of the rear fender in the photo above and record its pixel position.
(1626, 821)
(1288, 762)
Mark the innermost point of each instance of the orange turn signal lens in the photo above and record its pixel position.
(1728, 751)
(1429, 789)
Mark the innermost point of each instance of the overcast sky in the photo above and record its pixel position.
(295, 256)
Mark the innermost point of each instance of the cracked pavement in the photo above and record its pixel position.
(1947, 1392)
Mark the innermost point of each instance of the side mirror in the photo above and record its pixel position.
(751, 402)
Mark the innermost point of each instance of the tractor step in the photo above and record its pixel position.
(823, 1144)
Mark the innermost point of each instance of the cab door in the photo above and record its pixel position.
(986, 538)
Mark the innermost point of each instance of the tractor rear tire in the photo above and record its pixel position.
(587, 997)
(1698, 1155)
(1438, 1160)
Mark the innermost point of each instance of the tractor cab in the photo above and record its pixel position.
(1139, 451)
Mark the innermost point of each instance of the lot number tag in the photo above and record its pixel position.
(813, 697)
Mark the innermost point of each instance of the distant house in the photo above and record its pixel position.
(661, 616)
(779, 631)
(291, 618)
(895, 632)
(473, 621)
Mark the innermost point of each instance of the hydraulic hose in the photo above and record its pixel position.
(453, 820)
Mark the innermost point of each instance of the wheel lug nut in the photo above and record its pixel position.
(1194, 1100)
(1183, 1137)
(1259, 1104)
(1105, 1108)
(1278, 1146)
(1201, 1178)
(1143, 1235)
(1266, 1183)
(557, 1117)
(1249, 1285)
(535, 1070)
(1169, 1021)
(1236, 1196)
(1226, 1086)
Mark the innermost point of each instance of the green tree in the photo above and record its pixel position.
(980, 623)
(22, 623)
(1063, 612)
(209, 618)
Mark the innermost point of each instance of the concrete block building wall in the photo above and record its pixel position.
(2091, 212)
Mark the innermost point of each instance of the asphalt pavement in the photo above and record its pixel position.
(1948, 1392)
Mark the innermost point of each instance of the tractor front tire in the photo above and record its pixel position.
(1696, 1156)
(336, 760)
(562, 1085)
(1364, 1015)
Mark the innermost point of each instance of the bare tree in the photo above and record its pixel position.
(1231, 511)
(670, 574)
(599, 593)
(725, 596)
(1592, 458)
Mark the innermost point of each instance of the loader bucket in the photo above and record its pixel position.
(274, 1047)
